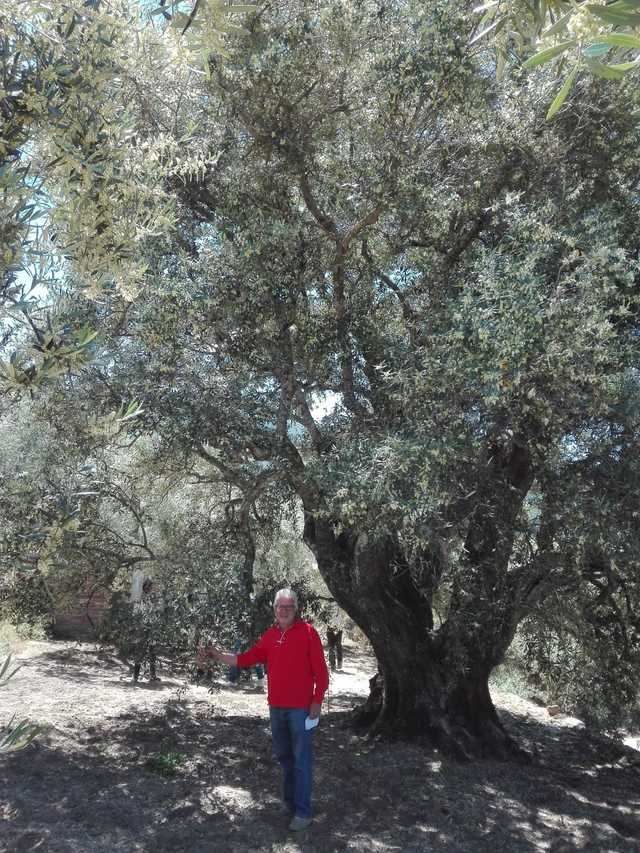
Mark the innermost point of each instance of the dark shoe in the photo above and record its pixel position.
(300, 823)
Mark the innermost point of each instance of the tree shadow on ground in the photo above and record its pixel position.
(92, 665)
(198, 775)
(105, 792)
(593, 778)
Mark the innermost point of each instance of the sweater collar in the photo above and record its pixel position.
(294, 624)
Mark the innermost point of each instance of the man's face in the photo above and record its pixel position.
(285, 610)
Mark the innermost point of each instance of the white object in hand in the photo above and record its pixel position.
(311, 724)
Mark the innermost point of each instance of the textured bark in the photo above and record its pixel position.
(455, 714)
(430, 684)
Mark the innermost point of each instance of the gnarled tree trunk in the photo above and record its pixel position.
(434, 683)
(435, 678)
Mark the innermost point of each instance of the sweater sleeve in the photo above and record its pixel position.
(318, 666)
(256, 654)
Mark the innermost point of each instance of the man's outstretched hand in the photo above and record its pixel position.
(205, 654)
(208, 653)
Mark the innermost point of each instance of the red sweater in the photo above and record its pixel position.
(296, 668)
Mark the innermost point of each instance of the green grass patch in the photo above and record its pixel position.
(166, 762)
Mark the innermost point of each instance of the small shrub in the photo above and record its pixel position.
(14, 735)
(510, 677)
(25, 604)
(588, 673)
(166, 762)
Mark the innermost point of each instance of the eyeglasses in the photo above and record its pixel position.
(285, 607)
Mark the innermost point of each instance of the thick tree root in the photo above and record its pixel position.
(364, 716)
(462, 740)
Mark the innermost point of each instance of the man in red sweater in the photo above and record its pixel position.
(298, 678)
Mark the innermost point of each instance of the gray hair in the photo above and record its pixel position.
(286, 593)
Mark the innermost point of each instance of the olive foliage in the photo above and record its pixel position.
(350, 268)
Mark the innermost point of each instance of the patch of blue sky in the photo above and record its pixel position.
(324, 403)
(38, 266)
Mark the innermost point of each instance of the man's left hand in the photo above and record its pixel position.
(314, 710)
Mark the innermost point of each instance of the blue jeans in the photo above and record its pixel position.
(293, 747)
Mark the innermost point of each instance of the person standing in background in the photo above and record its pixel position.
(334, 644)
(146, 614)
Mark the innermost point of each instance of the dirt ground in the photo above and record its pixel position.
(176, 767)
